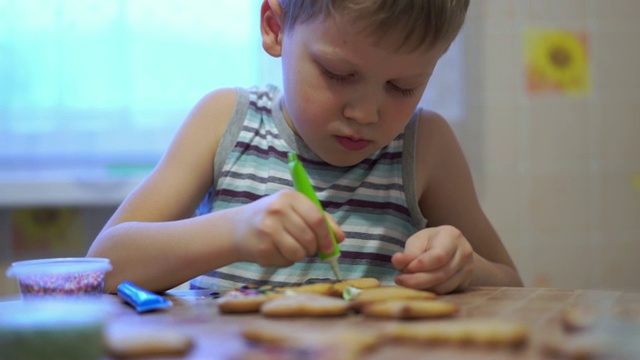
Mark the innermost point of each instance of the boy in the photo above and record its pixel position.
(353, 74)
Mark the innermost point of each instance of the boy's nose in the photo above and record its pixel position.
(363, 106)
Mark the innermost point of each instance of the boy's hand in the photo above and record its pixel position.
(283, 228)
(438, 259)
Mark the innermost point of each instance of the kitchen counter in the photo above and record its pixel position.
(219, 336)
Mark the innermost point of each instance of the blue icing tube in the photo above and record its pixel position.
(142, 300)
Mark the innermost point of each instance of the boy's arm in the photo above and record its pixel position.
(152, 238)
(447, 196)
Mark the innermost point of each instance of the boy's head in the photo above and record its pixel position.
(412, 23)
(354, 70)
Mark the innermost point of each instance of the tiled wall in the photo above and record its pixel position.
(559, 175)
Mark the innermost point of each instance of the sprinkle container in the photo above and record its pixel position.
(60, 277)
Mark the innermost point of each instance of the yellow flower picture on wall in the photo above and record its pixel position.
(42, 230)
(557, 61)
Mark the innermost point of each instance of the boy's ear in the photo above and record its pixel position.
(271, 27)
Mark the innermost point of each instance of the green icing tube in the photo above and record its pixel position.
(303, 185)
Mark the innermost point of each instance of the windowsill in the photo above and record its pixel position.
(66, 187)
(65, 193)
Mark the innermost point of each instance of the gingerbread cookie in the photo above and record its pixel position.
(361, 283)
(410, 309)
(136, 341)
(485, 332)
(329, 286)
(368, 296)
(323, 288)
(244, 300)
(577, 318)
(249, 298)
(578, 347)
(582, 317)
(290, 341)
(305, 304)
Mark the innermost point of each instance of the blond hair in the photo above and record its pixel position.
(419, 23)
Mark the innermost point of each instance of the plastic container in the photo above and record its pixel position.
(53, 328)
(60, 277)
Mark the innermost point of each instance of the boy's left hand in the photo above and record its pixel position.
(438, 259)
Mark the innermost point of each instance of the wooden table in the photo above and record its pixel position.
(218, 336)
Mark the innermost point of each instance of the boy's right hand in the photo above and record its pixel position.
(283, 228)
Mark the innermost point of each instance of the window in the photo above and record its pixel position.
(97, 88)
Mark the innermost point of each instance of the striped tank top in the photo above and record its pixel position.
(373, 201)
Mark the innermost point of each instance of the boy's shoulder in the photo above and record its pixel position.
(432, 126)
(430, 118)
(435, 146)
(229, 96)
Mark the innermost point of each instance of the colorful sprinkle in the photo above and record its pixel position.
(62, 284)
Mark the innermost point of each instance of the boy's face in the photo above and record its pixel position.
(346, 97)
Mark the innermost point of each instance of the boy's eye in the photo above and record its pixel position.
(401, 91)
(335, 77)
(343, 78)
